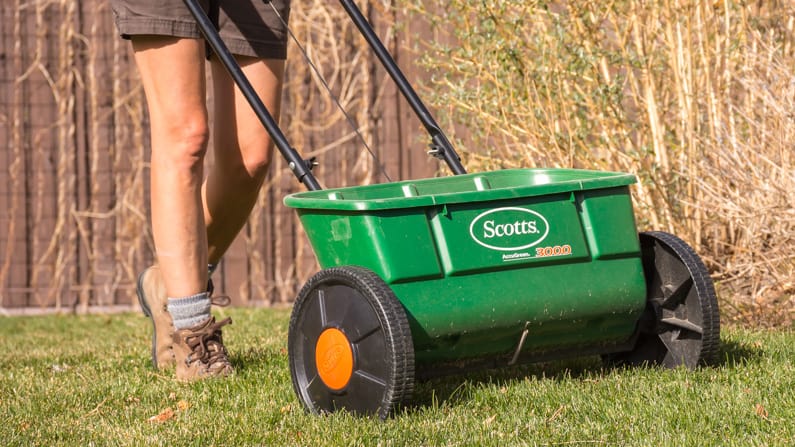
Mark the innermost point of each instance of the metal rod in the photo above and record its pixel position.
(519, 346)
(298, 165)
(441, 145)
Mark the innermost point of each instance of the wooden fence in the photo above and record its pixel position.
(74, 222)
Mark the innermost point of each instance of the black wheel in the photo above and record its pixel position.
(350, 345)
(681, 325)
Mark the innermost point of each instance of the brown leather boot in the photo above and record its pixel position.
(200, 351)
(153, 300)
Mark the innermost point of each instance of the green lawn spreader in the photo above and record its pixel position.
(445, 275)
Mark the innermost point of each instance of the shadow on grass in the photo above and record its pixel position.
(258, 360)
(732, 353)
(454, 389)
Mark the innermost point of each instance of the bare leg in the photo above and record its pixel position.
(242, 149)
(172, 72)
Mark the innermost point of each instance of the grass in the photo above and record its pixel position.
(86, 380)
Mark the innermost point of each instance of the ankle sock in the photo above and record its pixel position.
(189, 311)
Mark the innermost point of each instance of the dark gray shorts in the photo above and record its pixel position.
(248, 27)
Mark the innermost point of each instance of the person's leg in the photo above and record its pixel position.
(175, 293)
(242, 149)
(173, 76)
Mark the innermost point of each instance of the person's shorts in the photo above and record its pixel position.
(247, 27)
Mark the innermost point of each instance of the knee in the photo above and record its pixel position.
(247, 166)
(257, 165)
(185, 144)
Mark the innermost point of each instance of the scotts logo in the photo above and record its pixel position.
(331, 358)
(509, 229)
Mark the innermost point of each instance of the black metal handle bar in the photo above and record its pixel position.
(299, 166)
(441, 144)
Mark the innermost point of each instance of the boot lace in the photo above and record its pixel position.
(206, 344)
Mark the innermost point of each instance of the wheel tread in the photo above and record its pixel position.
(706, 291)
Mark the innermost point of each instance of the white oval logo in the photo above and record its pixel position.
(509, 229)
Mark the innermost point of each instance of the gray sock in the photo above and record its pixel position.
(189, 311)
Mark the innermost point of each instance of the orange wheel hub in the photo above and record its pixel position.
(334, 358)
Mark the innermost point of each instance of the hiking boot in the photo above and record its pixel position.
(154, 301)
(200, 351)
(152, 297)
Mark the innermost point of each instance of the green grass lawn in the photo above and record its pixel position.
(87, 380)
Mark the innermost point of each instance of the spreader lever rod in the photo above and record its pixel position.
(442, 147)
(294, 160)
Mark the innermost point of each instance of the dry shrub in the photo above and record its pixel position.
(695, 97)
